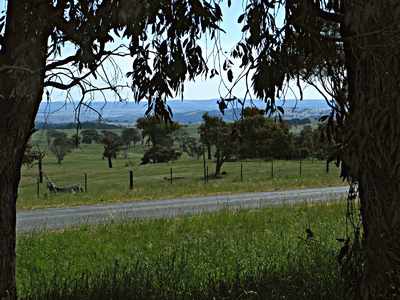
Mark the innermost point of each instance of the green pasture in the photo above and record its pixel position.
(248, 254)
(152, 181)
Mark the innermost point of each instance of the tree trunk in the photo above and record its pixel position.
(110, 162)
(8, 195)
(209, 151)
(218, 164)
(373, 134)
(22, 65)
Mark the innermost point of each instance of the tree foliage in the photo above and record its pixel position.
(159, 136)
(60, 145)
(214, 131)
(90, 136)
(261, 137)
(112, 145)
(131, 136)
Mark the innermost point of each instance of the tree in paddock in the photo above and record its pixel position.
(205, 134)
(89, 136)
(162, 42)
(61, 145)
(261, 137)
(159, 137)
(188, 144)
(350, 52)
(215, 132)
(131, 136)
(112, 145)
(192, 147)
(52, 134)
(305, 144)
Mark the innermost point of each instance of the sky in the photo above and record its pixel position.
(210, 88)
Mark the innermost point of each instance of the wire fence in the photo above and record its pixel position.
(162, 180)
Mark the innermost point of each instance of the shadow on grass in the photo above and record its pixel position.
(145, 285)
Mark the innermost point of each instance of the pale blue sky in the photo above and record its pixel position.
(211, 88)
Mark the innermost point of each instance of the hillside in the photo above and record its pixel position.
(186, 112)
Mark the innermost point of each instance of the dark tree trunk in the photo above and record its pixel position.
(110, 162)
(218, 163)
(8, 194)
(209, 151)
(22, 64)
(373, 134)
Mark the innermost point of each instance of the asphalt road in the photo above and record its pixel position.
(58, 218)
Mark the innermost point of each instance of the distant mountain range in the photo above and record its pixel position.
(186, 111)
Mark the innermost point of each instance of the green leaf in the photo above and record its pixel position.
(241, 18)
(230, 75)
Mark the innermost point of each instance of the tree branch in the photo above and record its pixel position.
(61, 62)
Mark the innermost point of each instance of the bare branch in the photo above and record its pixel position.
(61, 62)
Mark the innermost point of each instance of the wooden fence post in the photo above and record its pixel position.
(85, 176)
(272, 168)
(170, 175)
(40, 169)
(204, 166)
(300, 167)
(131, 180)
(38, 188)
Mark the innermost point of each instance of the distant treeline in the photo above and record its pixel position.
(297, 121)
(84, 125)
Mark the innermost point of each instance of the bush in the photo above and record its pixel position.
(159, 154)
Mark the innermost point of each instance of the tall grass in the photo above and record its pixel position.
(254, 254)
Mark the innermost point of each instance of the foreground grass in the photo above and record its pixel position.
(255, 254)
(151, 181)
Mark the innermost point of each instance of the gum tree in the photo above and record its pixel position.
(36, 38)
(350, 51)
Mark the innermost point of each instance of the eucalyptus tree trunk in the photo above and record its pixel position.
(219, 161)
(209, 152)
(22, 67)
(372, 45)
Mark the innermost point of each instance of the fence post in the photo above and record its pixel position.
(272, 168)
(40, 169)
(85, 176)
(130, 179)
(207, 174)
(204, 166)
(38, 188)
(241, 171)
(300, 167)
(170, 171)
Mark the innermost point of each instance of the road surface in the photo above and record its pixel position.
(58, 218)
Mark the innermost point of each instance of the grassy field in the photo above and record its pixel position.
(151, 181)
(254, 254)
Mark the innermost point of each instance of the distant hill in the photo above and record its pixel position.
(186, 111)
(83, 125)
